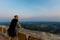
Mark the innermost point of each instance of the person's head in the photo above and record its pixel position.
(16, 17)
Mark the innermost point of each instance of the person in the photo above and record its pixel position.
(12, 27)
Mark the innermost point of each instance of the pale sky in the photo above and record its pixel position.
(30, 10)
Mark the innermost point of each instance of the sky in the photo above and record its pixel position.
(30, 10)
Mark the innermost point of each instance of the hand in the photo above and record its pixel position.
(22, 28)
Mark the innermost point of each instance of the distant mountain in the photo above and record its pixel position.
(52, 27)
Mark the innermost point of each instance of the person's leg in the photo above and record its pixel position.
(16, 37)
(12, 38)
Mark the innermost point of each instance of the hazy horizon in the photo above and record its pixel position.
(30, 10)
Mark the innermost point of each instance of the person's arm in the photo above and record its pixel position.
(19, 25)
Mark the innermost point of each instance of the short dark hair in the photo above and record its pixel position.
(16, 16)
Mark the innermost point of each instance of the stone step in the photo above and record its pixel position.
(33, 38)
(21, 36)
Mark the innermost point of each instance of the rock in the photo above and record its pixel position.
(33, 38)
(21, 36)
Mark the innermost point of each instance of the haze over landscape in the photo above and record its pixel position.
(30, 10)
